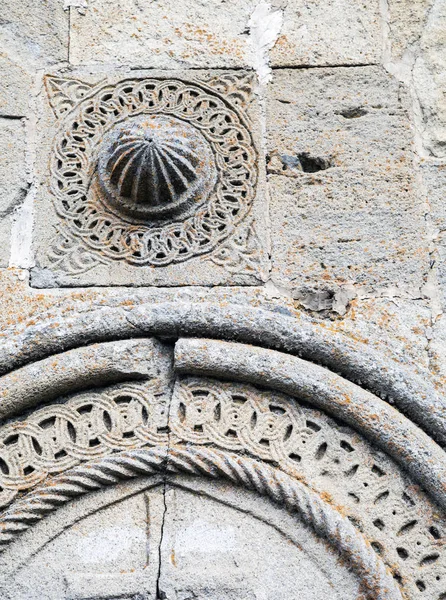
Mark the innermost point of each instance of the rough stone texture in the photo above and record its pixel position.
(280, 453)
(13, 179)
(357, 219)
(218, 34)
(236, 533)
(153, 520)
(108, 554)
(406, 22)
(430, 79)
(152, 35)
(83, 368)
(33, 35)
(337, 32)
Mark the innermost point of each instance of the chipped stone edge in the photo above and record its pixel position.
(74, 371)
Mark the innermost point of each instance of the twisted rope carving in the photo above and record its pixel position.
(208, 462)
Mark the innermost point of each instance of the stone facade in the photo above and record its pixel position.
(222, 272)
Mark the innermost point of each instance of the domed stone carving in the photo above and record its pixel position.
(154, 172)
(152, 166)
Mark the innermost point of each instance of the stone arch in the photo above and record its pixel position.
(378, 584)
(410, 393)
(51, 363)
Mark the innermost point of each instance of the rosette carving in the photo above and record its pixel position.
(152, 166)
(152, 171)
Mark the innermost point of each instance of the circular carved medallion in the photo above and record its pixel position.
(153, 171)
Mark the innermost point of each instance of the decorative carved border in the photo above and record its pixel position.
(378, 584)
(336, 394)
(411, 394)
(89, 113)
(408, 445)
(76, 370)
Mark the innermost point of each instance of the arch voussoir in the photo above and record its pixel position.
(394, 433)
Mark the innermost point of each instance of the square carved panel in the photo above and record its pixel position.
(150, 178)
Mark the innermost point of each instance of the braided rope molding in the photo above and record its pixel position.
(259, 477)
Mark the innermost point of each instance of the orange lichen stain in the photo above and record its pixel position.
(172, 558)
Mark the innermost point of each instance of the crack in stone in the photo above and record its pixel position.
(160, 594)
(325, 66)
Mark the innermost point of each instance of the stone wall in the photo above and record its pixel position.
(302, 149)
(349, 122)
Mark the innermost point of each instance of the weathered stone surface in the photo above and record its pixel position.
(337, 32)
(152, 35)
(33, 35)
(433, 174)
(96, 553)
(13, 179)
(345, 207)
(164, 531)
(430, 80)
(235, 526)
(215, 236)
(83, 368)
(217, 34)
(244, 396)
(407, 19)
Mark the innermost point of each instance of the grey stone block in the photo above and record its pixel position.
(345, 204)
(13, 179)
(336, 32)
(429, 79)
(33, 35)
(206, 34)
(407, 19)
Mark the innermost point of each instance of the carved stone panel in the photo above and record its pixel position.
(150, 178)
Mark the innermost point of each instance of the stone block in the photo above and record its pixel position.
(437, 359)
(337, 32)
(235, 526)
(345, 205)
(33, 35)
(430, 80)
(434, 180)
(345, 117)
(208, 34)
(406, 23)
(197, 217)
(13, 179)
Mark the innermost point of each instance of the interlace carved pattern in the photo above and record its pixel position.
(87, 426)
(236, 87)
(66, 254)
(116, 238)
(241, 254)
(65, 93)
(402, 525)
(362, 483)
